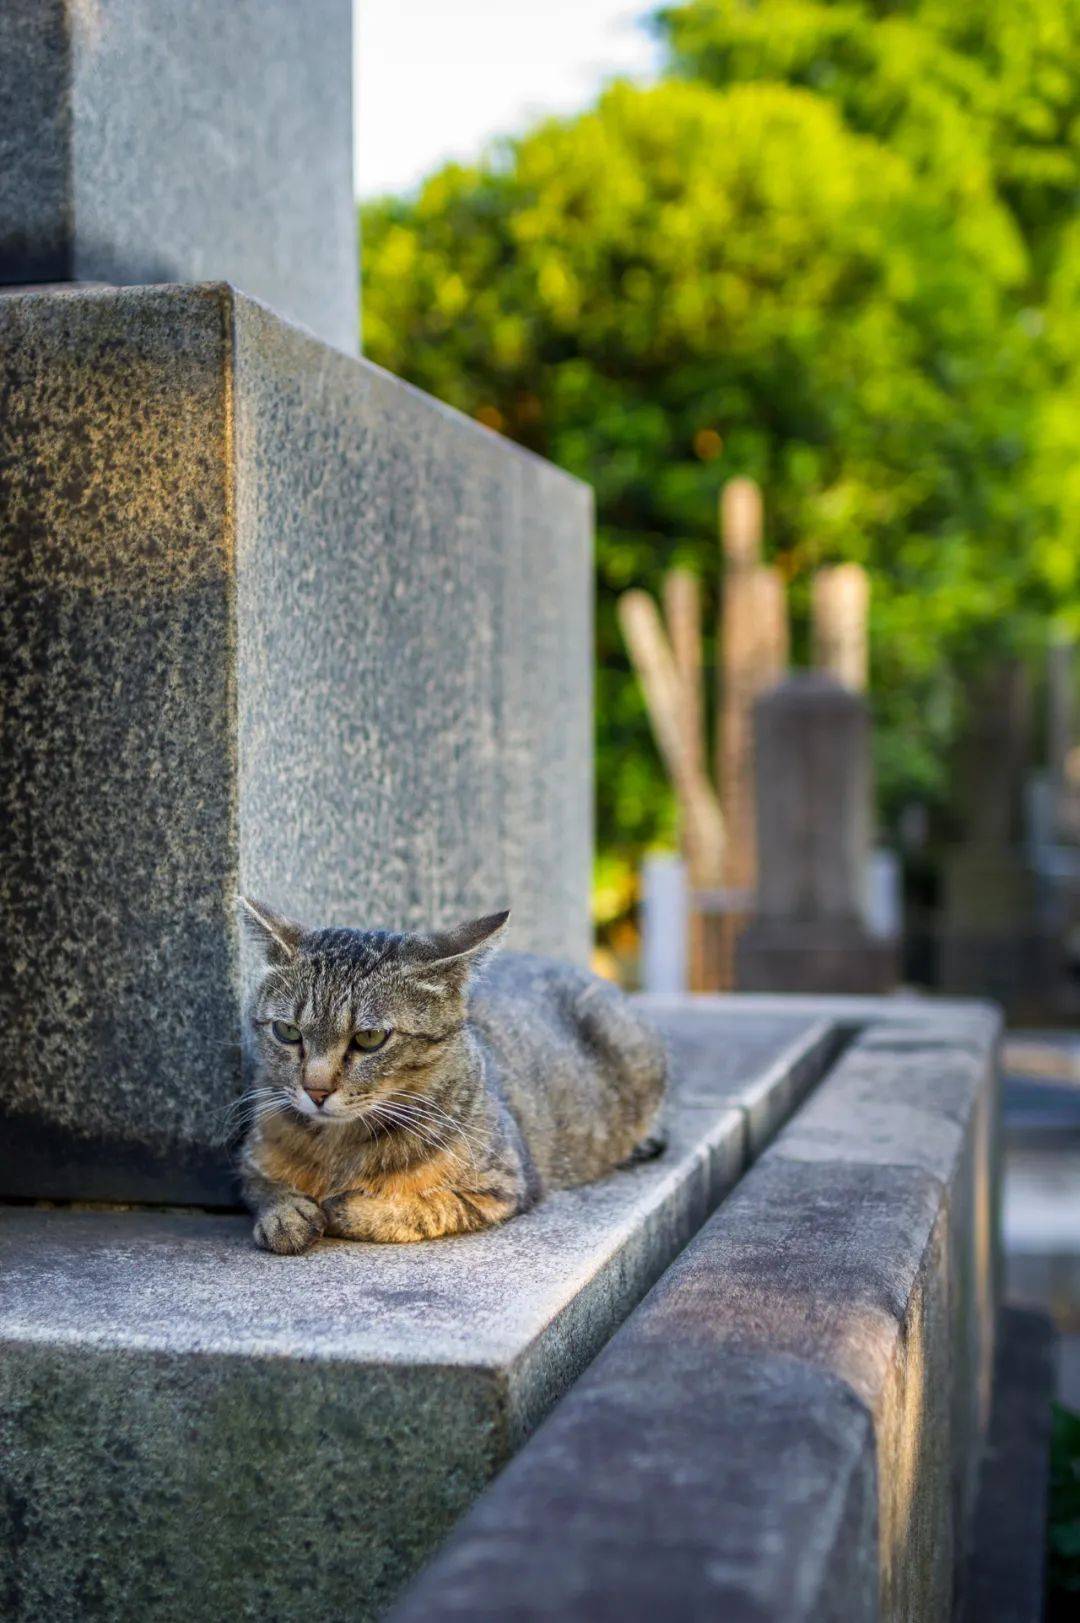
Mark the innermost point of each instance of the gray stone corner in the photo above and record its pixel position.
(275, 622)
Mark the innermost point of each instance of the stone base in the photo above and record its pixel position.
(789, 1428)
(194, 1430)
(822, 958)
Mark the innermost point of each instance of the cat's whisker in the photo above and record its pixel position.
(438, 1114)
(417, 1124)
(390, 1113)
(243, 1112)
(248, 1097)
(434, 1113)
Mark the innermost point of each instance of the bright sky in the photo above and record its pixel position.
(435, 79)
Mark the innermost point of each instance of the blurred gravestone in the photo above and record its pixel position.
(993, 943)
(814, 816)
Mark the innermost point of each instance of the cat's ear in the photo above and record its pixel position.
(466, 944)
(276, 936)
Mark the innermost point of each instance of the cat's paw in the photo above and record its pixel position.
(344, 1215)
(290, 1226)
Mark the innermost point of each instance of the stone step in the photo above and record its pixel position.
(193, 1430)
(788, 1428)
(271, 620)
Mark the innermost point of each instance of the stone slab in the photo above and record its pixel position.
(272, 620)
(169, 1396)
(183, 141)
(792, 1049)
(776, 1432)
(1006, 1563)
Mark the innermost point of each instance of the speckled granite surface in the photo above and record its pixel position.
(270, 618)
(249, 1435)
(183, 141)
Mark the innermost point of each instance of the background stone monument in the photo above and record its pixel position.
(991, 938)
(814, 811)
(271, 620)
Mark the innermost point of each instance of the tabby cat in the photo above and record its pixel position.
(407, 1088)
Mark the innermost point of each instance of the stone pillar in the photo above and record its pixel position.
(814, 818)
(270, 620)
(183, 141)
(839, 613)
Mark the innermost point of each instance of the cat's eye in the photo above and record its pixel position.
(368, 1041)
(285, 1031)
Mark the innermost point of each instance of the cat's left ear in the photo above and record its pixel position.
(466, 944)
(276, 936)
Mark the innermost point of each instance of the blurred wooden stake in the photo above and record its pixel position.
(682, 611)
(840, 616)
(753, 653)
(663, 686)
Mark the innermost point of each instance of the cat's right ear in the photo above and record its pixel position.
(275, 936)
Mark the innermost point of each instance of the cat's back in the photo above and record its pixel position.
(582, 1070)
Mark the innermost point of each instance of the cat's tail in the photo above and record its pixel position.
(648, 1150)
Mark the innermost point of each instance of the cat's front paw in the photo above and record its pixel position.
(344, 1215)
(290, 1226)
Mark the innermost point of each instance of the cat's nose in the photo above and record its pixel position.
(319, 1080)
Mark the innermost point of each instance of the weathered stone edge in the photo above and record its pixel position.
(899, 1363)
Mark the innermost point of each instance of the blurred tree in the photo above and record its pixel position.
(824, 270)
(986, 92)
(984, 95)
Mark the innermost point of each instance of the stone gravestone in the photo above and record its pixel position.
(272, 621)
(992, 940)
(814, 810)
(183, 141)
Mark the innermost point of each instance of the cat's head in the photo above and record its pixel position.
(341, 1019)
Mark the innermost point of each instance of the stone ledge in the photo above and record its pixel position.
(788, 1427)
(365, 1394)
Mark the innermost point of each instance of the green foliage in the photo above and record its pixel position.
(826, 251)
(1063, 1534)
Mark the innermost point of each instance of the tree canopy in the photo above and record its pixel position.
(829, 249)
